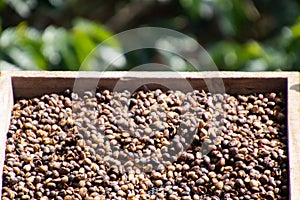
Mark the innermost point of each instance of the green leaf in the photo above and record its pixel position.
(296, 30)
(22, 46)
(82, 44)
(95, 31)
(57, 48)
(4, 65)
(2, 4)
(254, 48)
(22, 7)
(29, 41)
(23, 58)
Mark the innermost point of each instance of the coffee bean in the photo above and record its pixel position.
(77, 153)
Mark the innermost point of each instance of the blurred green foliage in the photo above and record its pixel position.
(247, 35)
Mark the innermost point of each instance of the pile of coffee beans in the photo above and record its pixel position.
(150, 144)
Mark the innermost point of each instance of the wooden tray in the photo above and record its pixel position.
(28, 84)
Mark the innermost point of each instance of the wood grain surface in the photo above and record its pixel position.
(6, 103)
(293, 124)
(31, 83)
(28, 84)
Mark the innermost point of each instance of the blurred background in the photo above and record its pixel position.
(241, 35)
